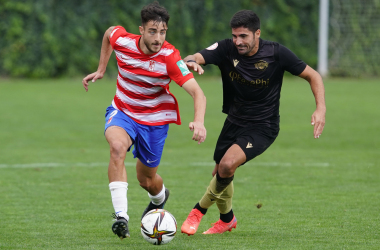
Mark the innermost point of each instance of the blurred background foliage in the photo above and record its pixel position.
(50, 38)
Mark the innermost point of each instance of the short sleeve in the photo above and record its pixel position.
(116, 33)
(214, 53)
(177, 69)
(289, 61)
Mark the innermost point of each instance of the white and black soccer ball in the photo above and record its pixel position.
(158, 227)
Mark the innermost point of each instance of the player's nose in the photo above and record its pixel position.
(238, 42)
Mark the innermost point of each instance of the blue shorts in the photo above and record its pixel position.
(148, 140)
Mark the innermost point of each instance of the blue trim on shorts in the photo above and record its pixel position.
(148, 141)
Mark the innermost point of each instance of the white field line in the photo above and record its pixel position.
(270, 164)
(105, 164)
(202, 164)
(55, 165)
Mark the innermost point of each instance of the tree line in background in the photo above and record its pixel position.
(50, 38)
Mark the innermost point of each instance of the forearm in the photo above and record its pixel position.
(317, 87)
(197, 126)
(189, 57)
(197, 57)
(105, 52)
(318, 90)
(199, 106)
(192, 87)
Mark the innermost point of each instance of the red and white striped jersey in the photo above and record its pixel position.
(143, 81)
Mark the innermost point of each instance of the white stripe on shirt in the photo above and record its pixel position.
(164, 52)
(160, 116)
(140, 78)
(158, 67)
(164, 98)
(128, 43)
(137, 89)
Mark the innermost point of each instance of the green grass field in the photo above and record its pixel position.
(316, 194)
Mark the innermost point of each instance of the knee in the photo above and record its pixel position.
(226, 168)
(118, 149)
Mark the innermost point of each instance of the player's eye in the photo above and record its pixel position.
(152, 32)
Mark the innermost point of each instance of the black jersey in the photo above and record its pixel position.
(252, 84)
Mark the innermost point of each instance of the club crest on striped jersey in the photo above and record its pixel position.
(182, 66)
(151, 65)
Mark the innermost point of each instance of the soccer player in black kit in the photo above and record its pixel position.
(252, 71)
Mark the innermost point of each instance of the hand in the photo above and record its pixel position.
(318, 121)
(195, 67)
(199, 130)
(94, 76)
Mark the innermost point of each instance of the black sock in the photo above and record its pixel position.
(202, 210)
(227, 217)
(222, 183)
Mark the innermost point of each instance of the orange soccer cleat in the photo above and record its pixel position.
(191, 224)
(220, 227)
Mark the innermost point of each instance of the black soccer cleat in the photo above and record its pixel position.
(120, 227)
(151, 206)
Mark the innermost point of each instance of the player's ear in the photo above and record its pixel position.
(141, 29)
(257, 33)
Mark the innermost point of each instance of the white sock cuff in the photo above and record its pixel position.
(162, 192)
(118, 184)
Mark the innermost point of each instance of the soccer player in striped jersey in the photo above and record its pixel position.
(143, 107)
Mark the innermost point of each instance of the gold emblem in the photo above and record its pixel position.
(235, 62)
(261, 65)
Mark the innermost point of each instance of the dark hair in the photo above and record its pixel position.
(154, 12)
(247, 19)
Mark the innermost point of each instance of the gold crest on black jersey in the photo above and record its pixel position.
(261, 65)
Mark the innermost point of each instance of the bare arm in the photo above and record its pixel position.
(105, 53)
(193, 62)
(197, 126)
(197, 57)
(318, 89)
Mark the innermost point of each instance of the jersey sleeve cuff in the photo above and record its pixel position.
(185, 79)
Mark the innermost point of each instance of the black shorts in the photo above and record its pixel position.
(253, 140)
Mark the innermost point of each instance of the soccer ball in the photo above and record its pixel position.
(158, 227)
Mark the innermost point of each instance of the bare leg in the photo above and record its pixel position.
(119, 142)
(232, 159)
(152, 182)
(148, 178)
(220, 190)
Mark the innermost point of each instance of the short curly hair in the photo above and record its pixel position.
(154, 12)
(247, 19)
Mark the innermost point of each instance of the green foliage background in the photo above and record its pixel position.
(354, 38)
(49, 38)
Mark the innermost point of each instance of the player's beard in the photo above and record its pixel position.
(248, 50)
(151, 48)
